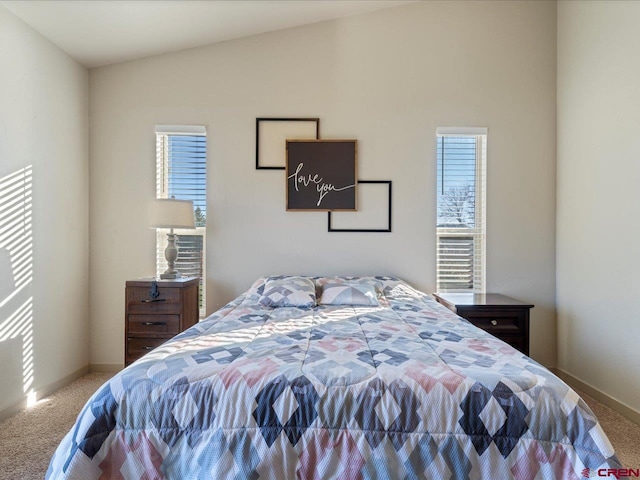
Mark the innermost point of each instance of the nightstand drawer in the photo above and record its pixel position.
(154, 308)
(167, 294)
(498, 322)
(154, 324)
(136, 347)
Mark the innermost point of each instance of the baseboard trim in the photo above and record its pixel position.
(43, 392)
(105, 367)
(623, 409)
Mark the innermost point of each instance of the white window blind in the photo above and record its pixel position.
(181, 153)
(461, 217)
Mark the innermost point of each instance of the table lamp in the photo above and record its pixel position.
(171, 213)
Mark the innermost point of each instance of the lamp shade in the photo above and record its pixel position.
(172, 213)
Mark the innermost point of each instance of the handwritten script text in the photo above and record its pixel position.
(314, 179)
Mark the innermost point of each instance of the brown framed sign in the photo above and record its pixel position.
(321, 175)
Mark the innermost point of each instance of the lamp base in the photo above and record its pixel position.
(171, 254)
(168, 276)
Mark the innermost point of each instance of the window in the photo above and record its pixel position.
(181, 163)
(460, 229)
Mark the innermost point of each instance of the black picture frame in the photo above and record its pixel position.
(315, 120)
(368, 230)
(321, 175)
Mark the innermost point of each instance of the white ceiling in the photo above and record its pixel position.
(100, 32)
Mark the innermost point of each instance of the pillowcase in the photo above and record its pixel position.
(289, 292)
(347, 293)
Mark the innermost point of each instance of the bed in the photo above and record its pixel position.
(371, 379)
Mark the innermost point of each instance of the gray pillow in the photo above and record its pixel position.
(289, 292)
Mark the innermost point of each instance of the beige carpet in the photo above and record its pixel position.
(623, 434)
(28, 439)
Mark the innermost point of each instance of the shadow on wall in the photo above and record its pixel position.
(16, 280)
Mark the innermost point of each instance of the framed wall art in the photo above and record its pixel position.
(321, 175)
(374, 210)
(272, 133)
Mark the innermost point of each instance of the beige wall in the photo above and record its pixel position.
(387, 78)
(43, 213)
(598, 256)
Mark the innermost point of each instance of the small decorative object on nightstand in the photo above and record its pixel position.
(502, 316)
(155, 311)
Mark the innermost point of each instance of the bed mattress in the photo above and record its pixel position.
(406, 389)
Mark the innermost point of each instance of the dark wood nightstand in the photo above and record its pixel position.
(503, 317)
(153, 318)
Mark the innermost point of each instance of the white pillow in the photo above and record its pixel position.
(349, 293)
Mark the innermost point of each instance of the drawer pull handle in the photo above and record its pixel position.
(154, 323)
(151, 300)
(147, 348)
(494, 322)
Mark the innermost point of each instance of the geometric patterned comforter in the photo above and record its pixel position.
(405, 390)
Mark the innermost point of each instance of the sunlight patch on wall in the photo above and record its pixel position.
(16, 267)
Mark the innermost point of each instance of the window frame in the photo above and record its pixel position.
(162, 133)
(477, 233)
